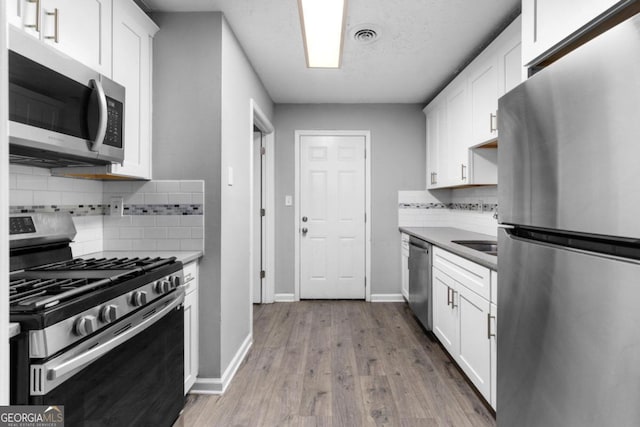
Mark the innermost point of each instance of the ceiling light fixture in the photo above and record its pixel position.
(323, 31)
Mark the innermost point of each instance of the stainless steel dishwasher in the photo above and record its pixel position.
(420, 281)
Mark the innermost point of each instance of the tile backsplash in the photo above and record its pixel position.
(35, 190)
(157, 215)
(469, 209)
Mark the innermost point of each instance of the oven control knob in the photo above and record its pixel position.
(108, 313)
(175, 281)
(160, 287)
(85, 325)
(139, 298)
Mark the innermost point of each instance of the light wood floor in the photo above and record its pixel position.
(339, 363)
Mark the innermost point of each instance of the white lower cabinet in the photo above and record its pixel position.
(445, 313)
(474, 354)
(464, 320)
(404, 264)
(190, 325)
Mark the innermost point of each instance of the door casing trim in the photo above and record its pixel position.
(367, 203)
(260, 120)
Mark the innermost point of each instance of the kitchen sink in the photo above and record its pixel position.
(489, 247)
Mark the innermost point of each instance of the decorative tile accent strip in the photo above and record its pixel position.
(422, 206)
(74, 210)
(90, 210)
(486, 207)
(169, 209)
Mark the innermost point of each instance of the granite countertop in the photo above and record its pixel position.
(443, 236)
(184, 256)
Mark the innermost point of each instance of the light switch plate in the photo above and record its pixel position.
(288, 200)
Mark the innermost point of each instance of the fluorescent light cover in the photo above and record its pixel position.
(322, 29)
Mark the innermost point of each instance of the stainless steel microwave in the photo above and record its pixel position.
(61, 112)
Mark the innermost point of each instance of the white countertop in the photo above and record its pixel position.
(14, 329)
(184, 256)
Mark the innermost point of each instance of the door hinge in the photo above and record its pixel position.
(263, 274)
(263, 151)
(263, 212)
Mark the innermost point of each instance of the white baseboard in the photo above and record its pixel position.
(387, 298)
(219, 385)
(284, 298)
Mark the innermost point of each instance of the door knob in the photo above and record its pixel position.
(304, 219)
(304, 230)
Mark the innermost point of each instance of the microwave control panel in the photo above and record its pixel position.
(114, 135)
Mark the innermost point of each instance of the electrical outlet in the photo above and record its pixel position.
(115, 206)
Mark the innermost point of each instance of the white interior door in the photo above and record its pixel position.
(332, 216)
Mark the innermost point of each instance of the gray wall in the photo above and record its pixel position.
(187, 141)
(397, 163)
(240, 84)
(203, 84)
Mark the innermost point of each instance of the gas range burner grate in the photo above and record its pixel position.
(82, 264)
(27, 294)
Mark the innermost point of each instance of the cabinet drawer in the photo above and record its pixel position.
(473, 276)
(190, 272)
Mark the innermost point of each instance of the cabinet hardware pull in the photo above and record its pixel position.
(435, 177)
(37, 24)
(493, 128)
(453, 299)
(489, 334)
(463, 167)
(56, 16)
(448, 296)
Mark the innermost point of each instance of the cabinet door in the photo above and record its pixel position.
(483, 88)
(404, 258)
(509, 54)
(25, 15)
(190, 340)
(458, 132)
(132, 44)
(494, 354)
(474, 354)
(434, 114)
(445, 314)
(547, 23)
(81, 29)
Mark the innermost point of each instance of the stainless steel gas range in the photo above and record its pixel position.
(103, 337)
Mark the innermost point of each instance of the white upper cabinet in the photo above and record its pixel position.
(437, 148)
(464, 115)
(549, 24)
(79, 28)
(133, 33)
(483, 85)
(458, 131)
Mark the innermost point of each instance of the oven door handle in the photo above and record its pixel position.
(89, 356)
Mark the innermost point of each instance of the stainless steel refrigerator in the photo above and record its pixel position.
(569, 264)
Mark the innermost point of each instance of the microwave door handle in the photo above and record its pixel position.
(102, 115)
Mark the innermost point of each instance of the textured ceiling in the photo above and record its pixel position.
(421, 46)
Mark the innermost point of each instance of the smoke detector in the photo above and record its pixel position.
(365, 33)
